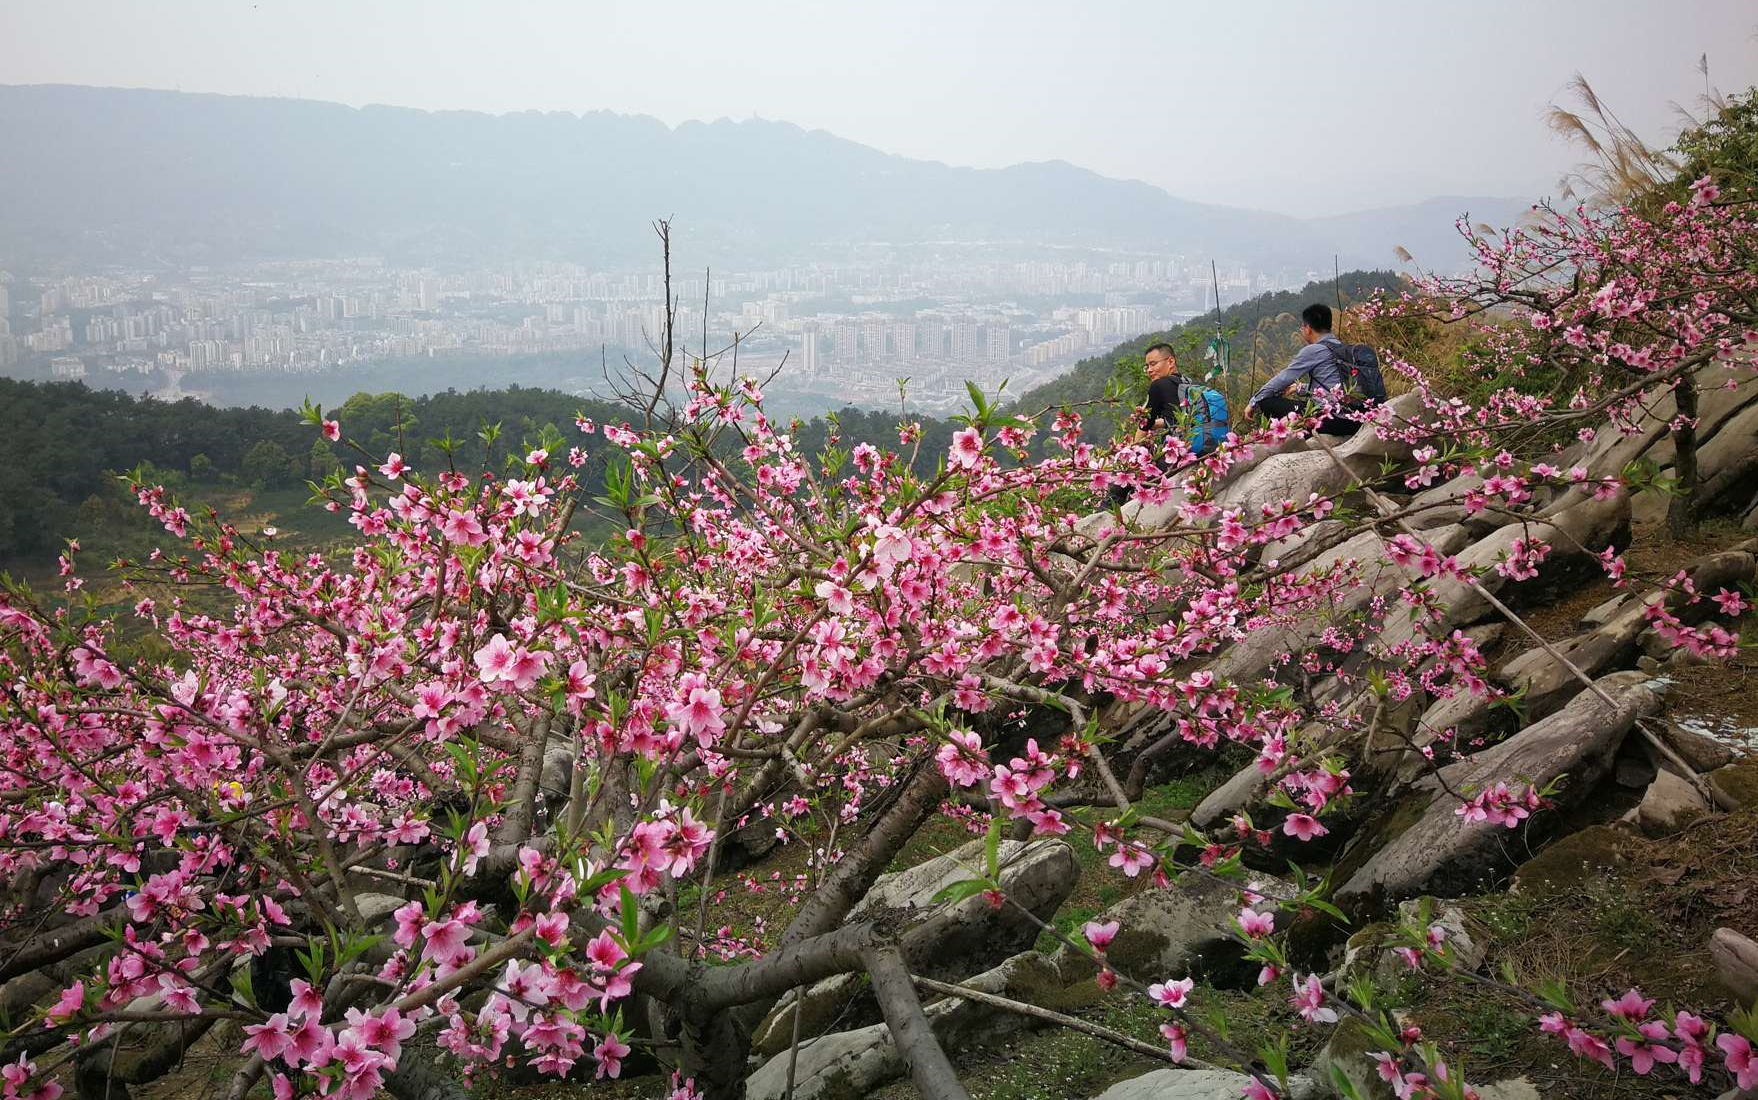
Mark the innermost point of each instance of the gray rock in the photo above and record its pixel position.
(1366, 450)
(1736, 963)
(858, 1060)
(1026, 977)
(1613, 449)
(1702, 752)
(1721, 459)
(1348, 1054)
(1468, 954)
(1602, 613)
(1548, 683)
(912, 890)
(1283, 477)
(1443, 504)
(1197, 1084)
(1436, 850)
(1669, 805)
(1728, 569)
(1515, 1088)
(1176, 930)
(1370, 950)
(556, 778)
(821, 1007)
(1251, 657)
(376, 907)
(749, 843)
(1238, 791)
(1574, 533)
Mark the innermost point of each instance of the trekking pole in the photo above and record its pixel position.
(1337, 285)
(1215, 276)
(1256, 335)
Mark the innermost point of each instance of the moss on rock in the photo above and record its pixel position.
(1572, 861)
(1738, 781)
(1349, 1053)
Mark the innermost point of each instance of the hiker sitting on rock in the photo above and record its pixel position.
(1194, 410)
(1320, 364)
(1163, 382)
(1175, 404)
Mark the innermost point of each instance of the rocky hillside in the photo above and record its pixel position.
(1641, 871)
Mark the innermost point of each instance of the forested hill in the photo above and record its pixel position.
(1268, 321)
(62, 445)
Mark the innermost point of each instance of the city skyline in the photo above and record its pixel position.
(848, 333)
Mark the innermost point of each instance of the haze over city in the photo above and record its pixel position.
(974, 193)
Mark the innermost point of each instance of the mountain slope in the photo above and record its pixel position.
(1425, 229)
(110, 173)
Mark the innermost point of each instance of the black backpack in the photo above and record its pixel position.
(1359, 365)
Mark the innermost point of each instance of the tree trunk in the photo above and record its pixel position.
(930, 1069)
(417, 1077)
(1681, 512)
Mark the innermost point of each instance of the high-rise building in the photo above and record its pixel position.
(847, 341)
(873, 339)
(809, 347)
(997, 342)
(964, 341)
(903, 339)
(5, 303)
(430, 289)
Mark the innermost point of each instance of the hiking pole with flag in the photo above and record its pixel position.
(1218, 355)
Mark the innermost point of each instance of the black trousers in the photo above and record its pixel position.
(1278, 406)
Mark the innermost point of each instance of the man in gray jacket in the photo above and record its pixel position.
(1316, 364)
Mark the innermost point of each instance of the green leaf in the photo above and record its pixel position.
(1345, 1087)
(978, 401)
(958, 891)
(631, 914)
(992, 849)
(241, 986)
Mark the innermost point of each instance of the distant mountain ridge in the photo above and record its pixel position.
(107, 174)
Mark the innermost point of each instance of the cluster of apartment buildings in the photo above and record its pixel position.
(850, 328)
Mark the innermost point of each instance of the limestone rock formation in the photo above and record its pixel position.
(1437, 850)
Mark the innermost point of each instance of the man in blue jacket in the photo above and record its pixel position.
(1316, 364)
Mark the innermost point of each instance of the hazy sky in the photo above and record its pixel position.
(1307, 108)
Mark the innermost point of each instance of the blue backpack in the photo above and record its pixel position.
(1207, 409)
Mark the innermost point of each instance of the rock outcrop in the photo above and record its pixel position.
(1433, 849)
(1197, 1084)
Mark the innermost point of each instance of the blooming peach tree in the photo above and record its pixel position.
(427, 806)
(1620, 311)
